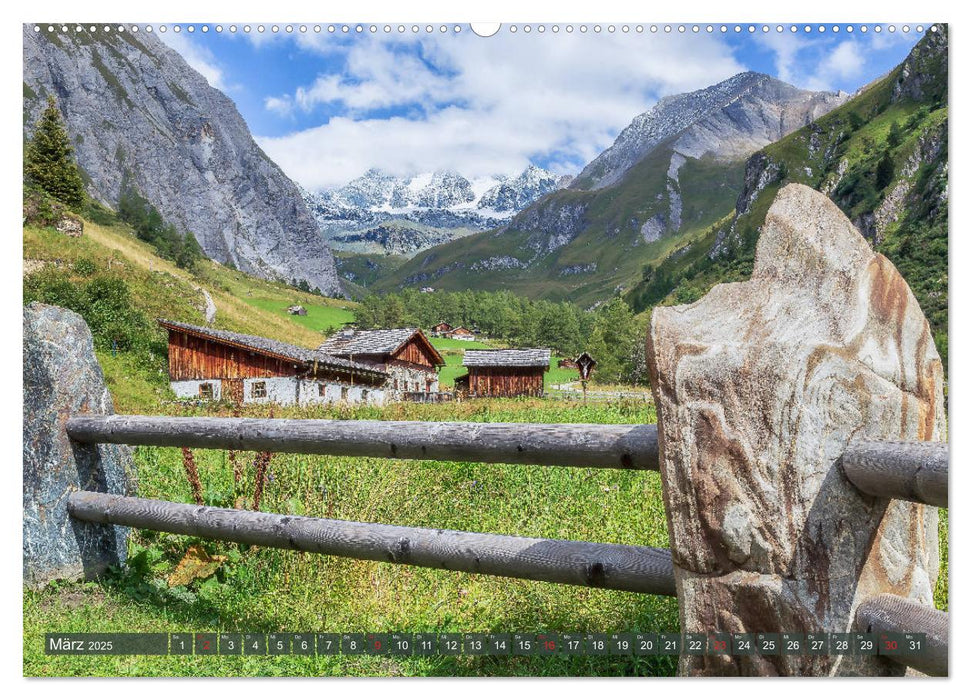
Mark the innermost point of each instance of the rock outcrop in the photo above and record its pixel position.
(62, 378)
(759, 387)
(133, 107)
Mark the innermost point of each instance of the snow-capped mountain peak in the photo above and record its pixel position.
(433, 204)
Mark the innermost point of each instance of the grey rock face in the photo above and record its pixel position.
(133, 104)
(760, 385)
(552, 226)
(729, 121)
(499, 262)
(921, 75)
(394, 238)
(62, 378)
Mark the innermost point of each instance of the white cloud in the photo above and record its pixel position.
(483, 106)
(845, 61)
(815, 65)
(280, 105)
(200, 58)
(786, 47)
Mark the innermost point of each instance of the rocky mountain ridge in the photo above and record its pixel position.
(728, 120)
(138, 113)
(882, 158)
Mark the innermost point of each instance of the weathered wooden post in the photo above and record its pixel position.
(760, 385)
(62, 378)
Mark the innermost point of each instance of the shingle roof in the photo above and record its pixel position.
(273, 347)
(383, 341)
(532, 357)
(377, 342)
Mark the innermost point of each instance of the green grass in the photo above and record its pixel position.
(442, 344)
(560, 375)
(265, 590)
(323, 319)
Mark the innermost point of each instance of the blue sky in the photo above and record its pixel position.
(326, 107)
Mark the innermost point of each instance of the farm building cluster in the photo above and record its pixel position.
(445, 330)
(371, 367)
(352, 366)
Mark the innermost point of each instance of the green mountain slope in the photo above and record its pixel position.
(120, 286)
(882, 158)
(606, 249)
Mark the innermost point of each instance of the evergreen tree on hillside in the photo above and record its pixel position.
(885, 171)
(49, 162)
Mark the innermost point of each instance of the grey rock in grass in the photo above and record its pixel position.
(61, 378)
(760, 385)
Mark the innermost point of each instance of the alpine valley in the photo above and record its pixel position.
(671, 208)
(672, 173)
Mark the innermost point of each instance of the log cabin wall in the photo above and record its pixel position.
(414, 353)
(191, 357)
(506, 381)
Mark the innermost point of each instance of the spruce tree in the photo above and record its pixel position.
(49, 162)
(885, 171)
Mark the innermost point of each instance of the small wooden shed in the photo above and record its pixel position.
(504, 372)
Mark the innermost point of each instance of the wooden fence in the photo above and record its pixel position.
(800, 415)
(901, 470)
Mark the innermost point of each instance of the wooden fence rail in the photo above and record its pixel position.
(911, 471)
(915, 471)
(894, 614)
(566, 445)
(612, 566)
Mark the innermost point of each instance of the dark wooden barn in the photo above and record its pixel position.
(504, 372)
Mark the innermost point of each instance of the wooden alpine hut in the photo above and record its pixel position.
(504, 372)
(405, 355)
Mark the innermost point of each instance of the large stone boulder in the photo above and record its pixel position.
(759, 387)
(62, 378)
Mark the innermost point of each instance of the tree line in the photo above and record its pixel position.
(610, 332)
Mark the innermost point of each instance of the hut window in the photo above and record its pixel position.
(205, 391)
(343, 393)
(321, 389)
(396, 385)
(258, 390)
(363, 394)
